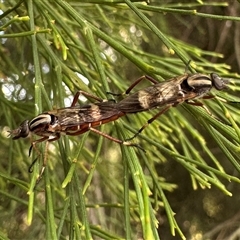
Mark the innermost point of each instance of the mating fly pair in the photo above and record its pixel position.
(76, 120)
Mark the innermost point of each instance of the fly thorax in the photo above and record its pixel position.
(199, 83)
(42, 122)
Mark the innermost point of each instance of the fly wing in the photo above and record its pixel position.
(158, 95)
(79, 115)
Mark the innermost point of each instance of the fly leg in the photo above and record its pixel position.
(45, 158)
(150, 121)
(195, 103)
(85, 94)
(43, 165)
(126, 143)
(93, 129)
(145, 77)
(33, 146)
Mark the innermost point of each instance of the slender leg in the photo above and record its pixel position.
(85, 94)
(115, 139)
(150, 121)
(199, 104)
(207, 110)
(165, 109)
(208, 97)
(30, 169)
(33, 145)
(146, 77)
(43, 165)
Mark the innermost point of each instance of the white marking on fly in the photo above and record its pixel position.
(53, 127)
(144, 99)
(40, 119)
(78, 118)
(196, 83)
(96, 112)
(180, 92)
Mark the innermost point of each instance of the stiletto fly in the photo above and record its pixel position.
(76, 120)
(73, 120)
(185, 88)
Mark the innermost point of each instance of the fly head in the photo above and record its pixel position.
(21, 131)
(218, 82)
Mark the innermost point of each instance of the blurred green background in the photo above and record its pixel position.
(185, 186)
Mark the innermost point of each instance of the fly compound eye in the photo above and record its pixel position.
(21, 131)
(218, 82)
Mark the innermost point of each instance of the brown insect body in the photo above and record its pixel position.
(153, 96)
(76, 120)
(171, 92)
(70, 120)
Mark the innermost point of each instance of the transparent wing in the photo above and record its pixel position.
(80, 115)
(168, 92)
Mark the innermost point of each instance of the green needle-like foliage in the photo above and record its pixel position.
(93, 188)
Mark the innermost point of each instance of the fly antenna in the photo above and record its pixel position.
(187, 68)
